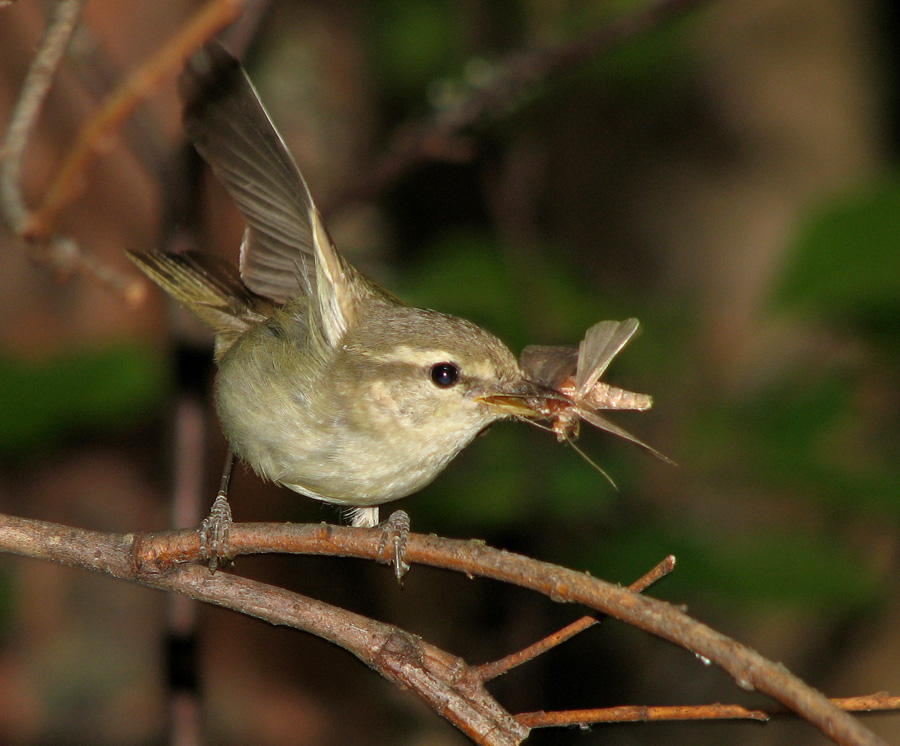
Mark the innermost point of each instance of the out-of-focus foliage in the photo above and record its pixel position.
(845, 265)
(798, 569)
(412, 42)
(802, 435)
(82, 390)
(466, 273)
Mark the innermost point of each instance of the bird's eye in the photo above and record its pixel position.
(445, 375)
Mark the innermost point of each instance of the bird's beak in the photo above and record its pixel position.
(524, 399)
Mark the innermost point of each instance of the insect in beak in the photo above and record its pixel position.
(526, 400)
(563, 387)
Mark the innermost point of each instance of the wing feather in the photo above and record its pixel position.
(231, 129)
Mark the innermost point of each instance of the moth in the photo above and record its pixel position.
(575, 391)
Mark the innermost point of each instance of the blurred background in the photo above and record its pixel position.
(730, 178)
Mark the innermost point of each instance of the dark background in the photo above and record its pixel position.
(730, 179)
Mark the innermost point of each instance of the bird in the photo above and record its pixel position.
(326, 382)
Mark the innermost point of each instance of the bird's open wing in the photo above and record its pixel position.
(230, 128)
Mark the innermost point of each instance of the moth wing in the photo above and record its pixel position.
(548, 366)
(602, 342)
(611, 427)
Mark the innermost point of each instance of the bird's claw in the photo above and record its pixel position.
(395, 534)
(214, 533)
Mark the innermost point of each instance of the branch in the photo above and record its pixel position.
(417, 142)
(441, 679)
(453, 689)
(497, 668)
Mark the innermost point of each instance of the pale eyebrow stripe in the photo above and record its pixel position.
(406, 355)
(414, 355)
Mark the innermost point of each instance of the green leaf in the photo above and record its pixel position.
(801, 436)
(538, 301)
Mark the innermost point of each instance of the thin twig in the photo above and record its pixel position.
(879, 702)
(37, 84)
(36, 228)
(639, 714)
(493, 669)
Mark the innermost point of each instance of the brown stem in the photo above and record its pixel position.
(636, 714)
(36, 228)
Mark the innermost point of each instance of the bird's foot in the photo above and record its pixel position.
(214, 532)
(395, 534)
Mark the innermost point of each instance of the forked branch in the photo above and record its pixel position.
(452, 687)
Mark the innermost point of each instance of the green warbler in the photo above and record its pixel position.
(328, 384)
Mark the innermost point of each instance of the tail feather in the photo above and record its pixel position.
(212, 289)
